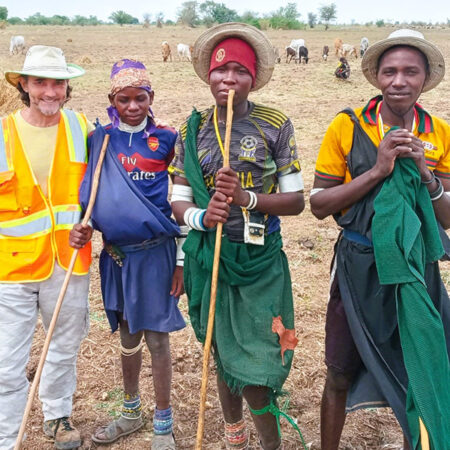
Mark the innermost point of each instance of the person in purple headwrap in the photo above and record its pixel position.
(141, 270)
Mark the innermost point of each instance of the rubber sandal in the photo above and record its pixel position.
(163, 442)
(116, 429)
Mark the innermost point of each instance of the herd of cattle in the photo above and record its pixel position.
(296, 50)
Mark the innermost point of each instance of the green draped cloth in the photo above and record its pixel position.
(254, 286)
(405, 238)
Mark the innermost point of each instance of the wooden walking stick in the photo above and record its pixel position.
(215, 273)
(59, 302)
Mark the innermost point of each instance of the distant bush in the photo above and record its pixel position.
(419, 23)
(251, 18)
(37, 19)
(3, 13)
(83, 21)
(264, 24)
(380, 23)
(213, 12)
(60, 20)
(280, 22)
(286, 18)
(15, 20)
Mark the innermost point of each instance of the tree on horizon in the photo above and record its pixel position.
(3, 12)
(121, 17)
(328, 13)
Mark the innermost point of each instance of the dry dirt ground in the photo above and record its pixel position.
(311, 96)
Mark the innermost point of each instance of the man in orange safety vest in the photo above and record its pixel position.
(43, 158)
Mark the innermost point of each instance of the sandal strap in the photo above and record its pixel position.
(117, 427)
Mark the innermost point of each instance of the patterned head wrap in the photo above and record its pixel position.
(129, 73)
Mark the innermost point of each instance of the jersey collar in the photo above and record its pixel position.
(369, 113)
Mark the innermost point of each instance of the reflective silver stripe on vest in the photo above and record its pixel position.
(3, 162)
(78, 138)
(67, 217)
(27, 229)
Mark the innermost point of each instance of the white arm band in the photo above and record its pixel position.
(182, 193)
(292, 182)
(193, 218)
(180, 242)
(315, 191)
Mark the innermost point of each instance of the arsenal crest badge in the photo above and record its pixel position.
(153, 143)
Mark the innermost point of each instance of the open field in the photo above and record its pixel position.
(310, 95)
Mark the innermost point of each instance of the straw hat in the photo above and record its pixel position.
(207, 42)
(45, 62)
(411, 38)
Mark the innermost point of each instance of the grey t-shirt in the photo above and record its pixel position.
(262, 149)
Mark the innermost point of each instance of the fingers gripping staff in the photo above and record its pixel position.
(59, 302)
(215, 273)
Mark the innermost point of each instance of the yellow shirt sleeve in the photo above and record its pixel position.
(331, 164)
(440, 147)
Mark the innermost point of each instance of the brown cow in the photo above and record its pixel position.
(290, 53)
(337, 45)
(166, 51)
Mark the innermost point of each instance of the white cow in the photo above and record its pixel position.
(364, 46)
(184, 51)
(347, 50)
(295, 45)
(16, 45)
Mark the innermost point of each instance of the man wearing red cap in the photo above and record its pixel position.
(254, 334)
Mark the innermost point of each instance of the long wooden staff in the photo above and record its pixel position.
(59, 302)
(215, 273)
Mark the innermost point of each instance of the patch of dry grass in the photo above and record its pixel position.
(9, 98)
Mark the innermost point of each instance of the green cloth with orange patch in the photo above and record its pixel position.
(254, 295)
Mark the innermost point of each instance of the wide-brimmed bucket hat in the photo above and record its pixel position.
(207, 42)
(411, 38)
(43, 61)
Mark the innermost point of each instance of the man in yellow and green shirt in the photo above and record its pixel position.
(390, 151)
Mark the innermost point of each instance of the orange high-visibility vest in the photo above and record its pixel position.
(34, 230)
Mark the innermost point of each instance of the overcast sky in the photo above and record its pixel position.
(347, 10)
